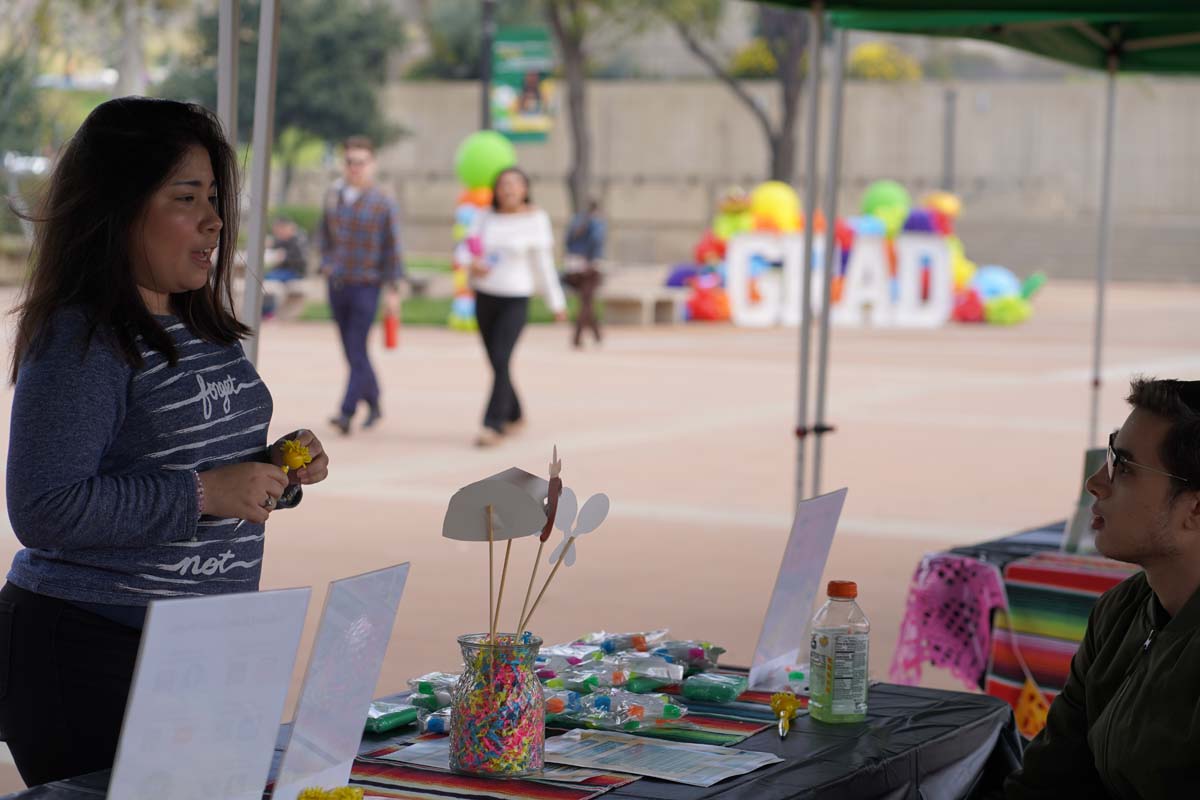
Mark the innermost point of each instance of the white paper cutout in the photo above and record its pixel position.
(208, 691)
(591, 517)
(344, 667)
(518, 502)
(785, 626)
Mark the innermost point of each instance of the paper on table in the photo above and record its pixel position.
(208, 690)
(347, 656)
(693, 764)
(517, 499)
(785, 627)
(436, 753)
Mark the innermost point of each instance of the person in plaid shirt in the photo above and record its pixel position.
(359, 241)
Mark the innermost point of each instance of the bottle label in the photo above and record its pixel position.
(839, 670)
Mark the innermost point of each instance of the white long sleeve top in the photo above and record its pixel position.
(519, 249)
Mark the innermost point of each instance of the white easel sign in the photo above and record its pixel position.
(208, 691)
(347, 656)
(785, 627)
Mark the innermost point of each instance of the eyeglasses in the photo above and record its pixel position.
(356, 162)
(1115, 459)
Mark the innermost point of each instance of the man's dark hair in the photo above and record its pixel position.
(1179, 403)
(359, 143)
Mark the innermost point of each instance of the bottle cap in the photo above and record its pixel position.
(843, 589)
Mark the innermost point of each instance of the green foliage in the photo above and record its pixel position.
(880, 61)
(452, 28)
(755, 60)
(331, 65)
(24, 126)
(305, 217)
(436, 310)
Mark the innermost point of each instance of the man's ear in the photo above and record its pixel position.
(1191, 519)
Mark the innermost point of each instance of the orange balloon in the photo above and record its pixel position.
(481, 196)
(835, 289)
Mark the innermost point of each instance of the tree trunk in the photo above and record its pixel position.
(133, 65)
(570, 44)
(786, 32)
(285, 182)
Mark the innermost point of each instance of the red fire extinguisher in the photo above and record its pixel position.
(391, 331)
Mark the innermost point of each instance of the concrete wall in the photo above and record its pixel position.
(1027, 164)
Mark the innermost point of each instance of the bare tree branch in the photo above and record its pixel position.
(693, 44)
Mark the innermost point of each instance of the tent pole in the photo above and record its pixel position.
(227, 67)
(260, 170)
(833, 173)
(812, 112)
(1102, 256)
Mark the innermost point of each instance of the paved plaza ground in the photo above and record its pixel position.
(944, 437)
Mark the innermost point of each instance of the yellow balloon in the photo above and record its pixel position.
(963, 270)
(945, 202)
(776, 203)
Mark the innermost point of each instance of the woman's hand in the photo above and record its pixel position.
(560, 316)
(479, 269)
(314, 472)
(243, 491)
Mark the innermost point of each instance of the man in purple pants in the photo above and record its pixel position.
(359, 240)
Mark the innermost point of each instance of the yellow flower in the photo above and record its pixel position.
(344, 793)
(295, 455)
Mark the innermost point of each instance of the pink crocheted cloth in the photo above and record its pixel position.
(947, 619)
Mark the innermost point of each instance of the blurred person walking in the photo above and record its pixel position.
(585, 248)
(359, 240)
(514, 247)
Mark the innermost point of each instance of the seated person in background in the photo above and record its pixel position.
(286, 259)
(1127, 723)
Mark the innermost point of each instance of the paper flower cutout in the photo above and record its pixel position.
(295, 455)
(591, 517)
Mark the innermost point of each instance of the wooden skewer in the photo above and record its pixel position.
(529, 590)
(491, 570)
(557, 564)
(500, 595)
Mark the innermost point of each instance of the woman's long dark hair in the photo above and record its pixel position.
(124, 151)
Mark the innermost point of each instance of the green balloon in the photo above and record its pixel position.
(481, 157)
(881, 194)
(1032, 284)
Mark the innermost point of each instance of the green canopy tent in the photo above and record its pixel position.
(1158, 36)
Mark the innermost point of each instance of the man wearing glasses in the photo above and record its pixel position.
(359, 240)
(1127, 723)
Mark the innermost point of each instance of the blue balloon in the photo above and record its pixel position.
(992, 282)
(867, 225)
(465, 214)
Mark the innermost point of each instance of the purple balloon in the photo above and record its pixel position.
(920, 221)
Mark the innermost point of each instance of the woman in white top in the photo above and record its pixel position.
(515, 251)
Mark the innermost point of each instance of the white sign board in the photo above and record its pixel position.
(347, 656)
(208, 691)
(785, 627)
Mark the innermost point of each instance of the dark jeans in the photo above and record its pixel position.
(64, 678)
(587, 283)
(501, 320)
(354, 310)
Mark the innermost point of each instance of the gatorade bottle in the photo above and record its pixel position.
(838, 661)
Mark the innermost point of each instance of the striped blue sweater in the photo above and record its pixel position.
(100, 460)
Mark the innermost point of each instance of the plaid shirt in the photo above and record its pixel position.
(360, 241)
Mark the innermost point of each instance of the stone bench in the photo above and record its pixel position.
(646, 305)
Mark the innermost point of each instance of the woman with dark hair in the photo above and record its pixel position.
(515, 247)
(138, 463)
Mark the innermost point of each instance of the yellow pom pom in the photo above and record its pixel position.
(295, 455)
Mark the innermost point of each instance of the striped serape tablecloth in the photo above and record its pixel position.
(1050, 596)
